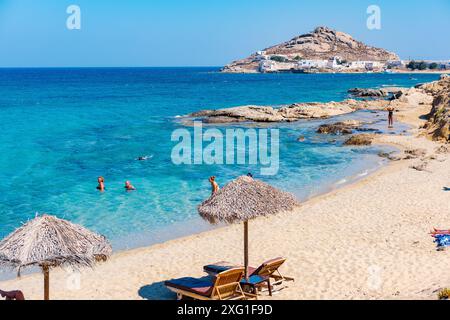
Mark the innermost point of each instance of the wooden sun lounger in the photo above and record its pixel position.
(222, 286)
(268, 270)
(12, 295)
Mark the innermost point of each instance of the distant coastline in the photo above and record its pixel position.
(396, 71)
(325, 50)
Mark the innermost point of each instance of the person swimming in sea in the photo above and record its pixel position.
(390, 111)
(129, 186)
(101, 184)
(144, 158)
(214, 185)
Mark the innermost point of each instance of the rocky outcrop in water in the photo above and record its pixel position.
(388, 92)
(342, 127)
(361, 92)
(289, 113)
(359, 140)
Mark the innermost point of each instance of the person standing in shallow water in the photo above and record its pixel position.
(101, 184)
(390, 111)
(214, 185)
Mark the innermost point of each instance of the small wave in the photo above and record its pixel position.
(363, 174)
(342, 181)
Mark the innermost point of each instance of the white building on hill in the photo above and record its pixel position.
(267, 66)
(395, 63)
(334, 63)
(312, 64)
(445, 65)
(368, 65)
(261, 55)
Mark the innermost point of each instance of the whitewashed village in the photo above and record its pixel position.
(325, 50)
(280, 63)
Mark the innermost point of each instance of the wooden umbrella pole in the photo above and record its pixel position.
(45, 269)
(246, 248)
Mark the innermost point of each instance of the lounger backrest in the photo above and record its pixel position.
(269, 267)
(227, 283)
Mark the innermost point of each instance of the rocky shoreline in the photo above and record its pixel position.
(438, 125)
(435, 94)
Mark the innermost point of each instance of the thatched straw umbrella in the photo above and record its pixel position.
(243, 199)
(49, 242)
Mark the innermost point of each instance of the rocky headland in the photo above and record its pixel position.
(288, 113)
(438, 125)
(434, 96)
(321, 44)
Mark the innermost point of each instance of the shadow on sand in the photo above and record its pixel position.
(156, 291)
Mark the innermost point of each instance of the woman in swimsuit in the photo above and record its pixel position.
(214, 185)
(390, 116)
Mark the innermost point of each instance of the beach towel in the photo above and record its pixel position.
(442, 240)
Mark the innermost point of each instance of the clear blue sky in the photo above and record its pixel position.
(205, 32)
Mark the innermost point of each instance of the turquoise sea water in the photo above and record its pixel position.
(61, 128)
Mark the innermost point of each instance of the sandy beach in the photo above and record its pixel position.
(368, 240)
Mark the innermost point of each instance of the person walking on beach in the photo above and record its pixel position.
(390, 111)
(101, 184)
(129, 186)
(214, 185)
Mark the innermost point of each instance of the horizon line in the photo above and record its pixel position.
(99, 67)
(180, 66)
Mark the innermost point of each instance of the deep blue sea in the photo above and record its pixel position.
(62, 128)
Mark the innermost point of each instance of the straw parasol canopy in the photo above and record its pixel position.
(243, 199)
(49, 242)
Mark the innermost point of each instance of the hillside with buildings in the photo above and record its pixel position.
(323, 50)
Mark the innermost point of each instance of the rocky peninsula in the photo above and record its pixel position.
(435, 95)
(324, 50)
(288, 113)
